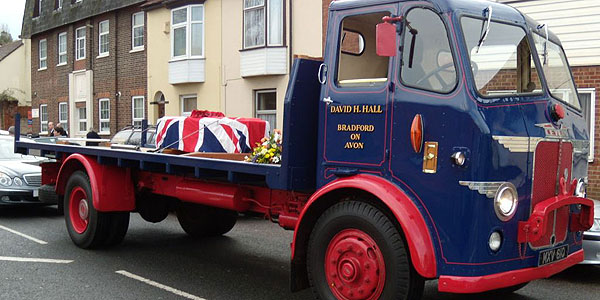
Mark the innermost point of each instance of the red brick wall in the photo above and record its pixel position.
(589, 77)
(120, 71)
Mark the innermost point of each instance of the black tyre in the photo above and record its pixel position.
(87, 227)
(205, 221)
(356, 252)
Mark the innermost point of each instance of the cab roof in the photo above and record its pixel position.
(500, 11)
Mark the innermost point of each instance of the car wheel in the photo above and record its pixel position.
(356, 252)
(205, 221)
(87, 227)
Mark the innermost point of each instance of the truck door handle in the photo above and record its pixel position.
(327, 100)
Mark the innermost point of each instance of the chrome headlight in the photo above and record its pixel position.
(580, 189)
(18, 181)
(506, 201)
(5, 180)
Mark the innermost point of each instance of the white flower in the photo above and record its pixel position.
(275, 159)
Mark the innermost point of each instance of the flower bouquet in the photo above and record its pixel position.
(268, 151)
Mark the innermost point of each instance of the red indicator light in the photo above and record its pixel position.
(557, 112)
(416, 133)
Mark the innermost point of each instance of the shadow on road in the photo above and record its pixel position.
(28, 211)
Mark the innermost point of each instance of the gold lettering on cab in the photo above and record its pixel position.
(355, 109)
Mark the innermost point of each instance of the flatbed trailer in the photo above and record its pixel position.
(430, 142)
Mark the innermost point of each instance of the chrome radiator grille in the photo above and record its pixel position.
(33, 179)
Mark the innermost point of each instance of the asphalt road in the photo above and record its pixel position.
(158, 261)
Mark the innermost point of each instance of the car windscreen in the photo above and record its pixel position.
(7, 151)
(121, 137)
(556, 70)
(502, 62)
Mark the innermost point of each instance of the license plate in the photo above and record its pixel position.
(553, 255)
(36, 193)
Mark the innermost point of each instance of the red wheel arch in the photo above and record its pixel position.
(407, 214)
(112, 187)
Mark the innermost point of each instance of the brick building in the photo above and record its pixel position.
(88, 64)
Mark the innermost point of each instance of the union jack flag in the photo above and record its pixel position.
(210, 134)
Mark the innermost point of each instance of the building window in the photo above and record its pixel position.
(57, 4)
(63, 114)
(258, 24)
(137, 110)
(39, 7)
(266, 106)
(62, 49)
(103, 38)
(188, 104)
(80, 43)
(187, 32)
(43, 54)
(137, 31)
(44, 118)
(588, 108)
(82, 111)
(104, 110)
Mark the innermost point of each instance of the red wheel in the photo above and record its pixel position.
(356, 253)
(354, 266)
(87, 227)
(79, 210)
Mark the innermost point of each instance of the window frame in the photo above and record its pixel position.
(133, 118)
(133, 27)
(59, 53)
(57, 4)
(80, 120)
(100, 119)
(45, 57)
(592, 108)
(39, 8)
(188, 32)
(42, 122)
(533, 52)
(60, 120)
(267, 22)
(182, 104)
(100, 35)
(453, 52)
(258, 112)
(77, 40)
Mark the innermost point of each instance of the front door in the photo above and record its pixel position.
(356, 97)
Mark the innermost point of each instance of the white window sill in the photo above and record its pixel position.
(42, 69)
(138, 49)
(78, 59)
(44, 132)
(62, 64)
(174, 59)
(103, 133)
(103, 55)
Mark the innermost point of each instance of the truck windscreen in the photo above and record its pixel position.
(556, 71)
(503, 65)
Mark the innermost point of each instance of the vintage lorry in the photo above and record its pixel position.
(438, 139)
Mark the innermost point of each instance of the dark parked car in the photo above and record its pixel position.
(133, 135)
(20, 175)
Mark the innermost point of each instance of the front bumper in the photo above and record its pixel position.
(25, 195)
(478, 284)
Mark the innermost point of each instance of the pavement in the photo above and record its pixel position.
(159, 261)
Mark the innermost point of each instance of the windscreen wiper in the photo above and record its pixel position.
(483, 34)
(545, 26)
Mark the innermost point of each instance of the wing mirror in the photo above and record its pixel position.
(386, 34)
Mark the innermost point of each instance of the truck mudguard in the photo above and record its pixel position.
(112, 187)
(405, 211)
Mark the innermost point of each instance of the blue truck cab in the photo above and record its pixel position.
(474, 115)
(437, 139)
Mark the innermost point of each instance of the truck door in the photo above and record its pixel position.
(356, 95)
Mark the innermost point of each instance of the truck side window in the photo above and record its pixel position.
(503, 64)
(359, 64)
(427, 61)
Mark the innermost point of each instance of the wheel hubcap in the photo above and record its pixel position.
(79, 210)
(354, 266)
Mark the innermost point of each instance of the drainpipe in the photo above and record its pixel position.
(291, 36)
(117, 92)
